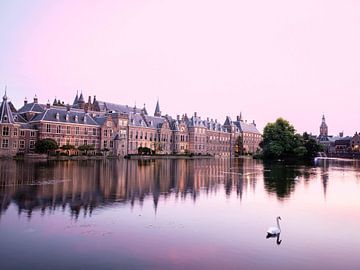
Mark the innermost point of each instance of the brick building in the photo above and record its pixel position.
(118, 129)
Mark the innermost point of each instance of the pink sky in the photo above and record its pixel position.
(295, 59)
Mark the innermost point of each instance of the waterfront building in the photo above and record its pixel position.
(119, 130)
(355, 143)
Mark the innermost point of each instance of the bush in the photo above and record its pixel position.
(45, 146)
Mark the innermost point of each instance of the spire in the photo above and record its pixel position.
(6, 115)
(76, 100)
(81, 98)
(157, 109)
(240, 116)
(5, 96)
(144, 110)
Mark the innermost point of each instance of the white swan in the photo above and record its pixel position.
(274, 231)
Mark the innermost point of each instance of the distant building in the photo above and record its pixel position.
(355, 143)
(118, 129)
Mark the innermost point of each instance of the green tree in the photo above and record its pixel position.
(45, 146)
(312, 146)
(86, 147)
(238, 147)
(281, 142)
(68, 147)
(279, 139)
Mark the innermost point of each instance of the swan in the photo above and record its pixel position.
(274, 231)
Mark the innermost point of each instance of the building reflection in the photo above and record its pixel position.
(86, 185)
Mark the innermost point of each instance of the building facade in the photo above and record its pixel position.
(119, 130)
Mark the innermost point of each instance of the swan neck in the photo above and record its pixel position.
(278, 223)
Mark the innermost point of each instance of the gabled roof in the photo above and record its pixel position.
(107, 106)
(32, 107)
(195, 121)
(51, 115)
(246, 127)
(6, 115)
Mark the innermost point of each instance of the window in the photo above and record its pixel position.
(105, 132)
(5, 131)
(22, 133)
(32, 134)
(5, 143)
(32, 144)
(48, 128)
(94, 131)
(21, 144)
(14, 144)
(77, 130)
(15, 131)
(111, 144)
(86, 131)
(85, 142)
(131, 134)
(68, 130)
(58, 129)
(105, 144)
(76, 142)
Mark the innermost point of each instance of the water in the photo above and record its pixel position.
(179, 214)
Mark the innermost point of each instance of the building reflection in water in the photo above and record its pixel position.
(82, 186)
(85, 185)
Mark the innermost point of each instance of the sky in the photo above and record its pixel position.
(266, 59)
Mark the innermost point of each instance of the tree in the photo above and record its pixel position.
(86, 148)
(45, 146)
(67, 148)
(279, 139)
(238, 146)
(312, 146)
(281, 142)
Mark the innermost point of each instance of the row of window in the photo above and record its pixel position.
(5, 144)
(6, 132)
(68, 130)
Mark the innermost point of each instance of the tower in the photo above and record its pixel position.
(157, 109)
(323, 128)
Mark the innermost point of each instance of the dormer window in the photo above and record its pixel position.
(57, 116)
(67, 117)
(76, 118)
(85, 119)
(5, 117)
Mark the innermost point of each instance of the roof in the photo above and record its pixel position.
(107, 106)
(246, 127)
(157, 109)
(32, 107)
(6, 115)
(52, 113)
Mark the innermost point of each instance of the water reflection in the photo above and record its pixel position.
(85, 185)
(47, 186)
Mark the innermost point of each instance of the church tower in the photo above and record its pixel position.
(323, 128)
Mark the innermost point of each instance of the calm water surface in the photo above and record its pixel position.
(179, 214)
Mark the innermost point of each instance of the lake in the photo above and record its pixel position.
(179, 214)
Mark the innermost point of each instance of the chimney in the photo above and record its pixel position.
(238, 118)
(195, 114)
(208, 119)
(48, 104)
(68, 107)
(341, 134)
(254, 123)
(89, 100)
(94, 100)
(35, 99)
(178, 117)
(25, 101)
